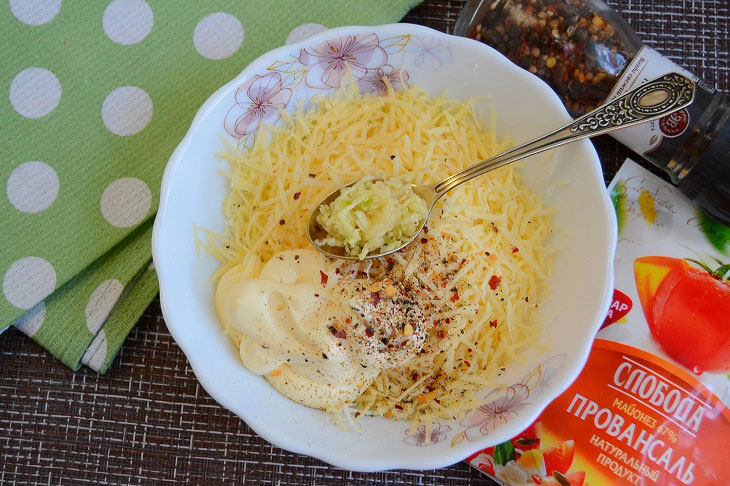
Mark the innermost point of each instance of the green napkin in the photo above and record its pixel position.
(94, 97)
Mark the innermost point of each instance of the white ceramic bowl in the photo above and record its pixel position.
(193, 190)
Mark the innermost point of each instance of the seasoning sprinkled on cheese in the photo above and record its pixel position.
(428, 320)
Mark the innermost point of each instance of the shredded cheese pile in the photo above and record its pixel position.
(484, 257)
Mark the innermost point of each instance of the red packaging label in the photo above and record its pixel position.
(631, 418)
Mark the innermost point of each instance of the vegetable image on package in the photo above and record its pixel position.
(651, 404)
(522, 461)
(688, 310)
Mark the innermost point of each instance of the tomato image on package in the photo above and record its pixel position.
(687, 310)
(651, 404)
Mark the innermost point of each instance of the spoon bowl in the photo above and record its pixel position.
(316, 232)
(650, 101)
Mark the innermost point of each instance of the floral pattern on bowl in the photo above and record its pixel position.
(258, 102)
(367, 58)
(429, 52)
(500, 406)
(503, 405)
(420, 435)
(330, 61)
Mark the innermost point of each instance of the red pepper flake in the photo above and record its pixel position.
(515, 250)
(316, 295)
(448, 320)
(469, 350)
(455, 297)
(493, 323)
(341, 334)
(281, 222)
(425, 229)
(424, 241)
(323, 277)
(436, 323)
(337, 270)
(467, 363)
(296, 195)
(398, 406)
(332, 329)
(390, 346)
(437, 401)
(369, 332)
(348, 320)
(494, 282)
(442, 334)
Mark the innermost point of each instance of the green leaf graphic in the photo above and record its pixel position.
(717, 234)
(721, 272)
(618, 198)
(504, 453)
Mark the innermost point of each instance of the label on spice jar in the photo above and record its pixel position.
(651, 406)
(661, 138)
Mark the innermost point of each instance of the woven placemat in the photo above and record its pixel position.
(148, 420)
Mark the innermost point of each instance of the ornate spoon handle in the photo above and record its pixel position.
(652, 100)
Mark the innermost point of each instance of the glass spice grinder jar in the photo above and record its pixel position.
(588, 54)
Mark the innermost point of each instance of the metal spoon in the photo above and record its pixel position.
(652, 100)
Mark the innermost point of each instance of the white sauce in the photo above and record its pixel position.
(283, 317)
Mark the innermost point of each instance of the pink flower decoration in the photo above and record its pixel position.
(332, 60)
(257, 101)
(488, 417)
(429, 52)
(419, 438)
(374, 82)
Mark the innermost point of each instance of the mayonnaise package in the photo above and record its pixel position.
(651, 405)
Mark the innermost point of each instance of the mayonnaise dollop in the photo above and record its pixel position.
(285, 319)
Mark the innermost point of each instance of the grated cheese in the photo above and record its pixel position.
(281, 174)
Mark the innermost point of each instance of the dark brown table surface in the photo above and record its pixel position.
(149, 421)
